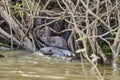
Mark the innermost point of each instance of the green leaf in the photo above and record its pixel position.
(17, 8)
(81, 38)
(21, 13)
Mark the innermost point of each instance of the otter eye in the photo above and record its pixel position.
(50, 51)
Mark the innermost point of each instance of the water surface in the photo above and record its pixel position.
(21, 66)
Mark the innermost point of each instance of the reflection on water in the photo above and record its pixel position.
(116, 72)
(32, 67)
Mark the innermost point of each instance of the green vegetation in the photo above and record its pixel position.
(107, 50)
(18, 9)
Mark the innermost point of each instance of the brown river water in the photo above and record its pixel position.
(21, 66)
